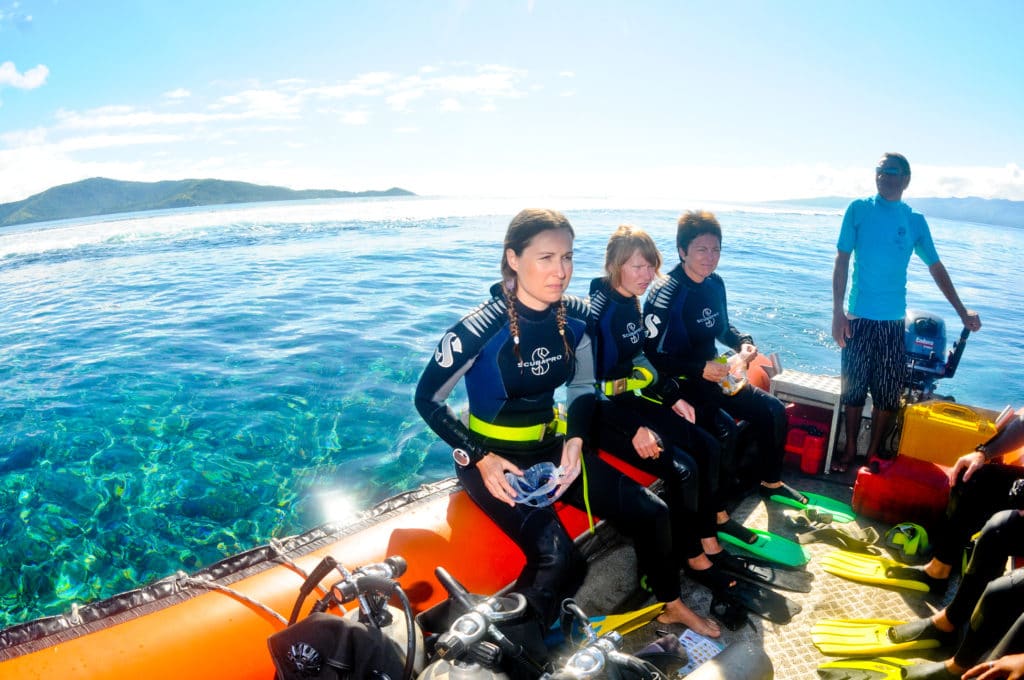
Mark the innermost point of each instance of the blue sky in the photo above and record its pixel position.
(689, 100)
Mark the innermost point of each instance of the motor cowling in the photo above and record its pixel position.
(924, 337)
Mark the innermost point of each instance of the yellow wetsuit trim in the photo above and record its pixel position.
(525, 433)
(639, 379)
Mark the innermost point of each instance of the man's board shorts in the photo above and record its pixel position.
(874, 359)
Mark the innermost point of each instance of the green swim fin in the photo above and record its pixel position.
(769, 546)
(822, 505)
(870, 569)
(882, 668)
(867, 637)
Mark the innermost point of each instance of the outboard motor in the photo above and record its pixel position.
(924, 338)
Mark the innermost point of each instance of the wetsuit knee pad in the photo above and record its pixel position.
(1000, 601)
(556, 557)
(992, 538)
(639, 504)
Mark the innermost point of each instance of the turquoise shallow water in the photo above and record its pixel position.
(181, 386)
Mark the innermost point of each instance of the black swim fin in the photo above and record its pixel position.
(755, 571)
(762, 601)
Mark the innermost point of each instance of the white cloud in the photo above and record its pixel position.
(450, 104)
(567, 93)
(408, 130)
(367, 84)
(355, 117)
(399, 101)
(261, 103)
(128, 117)
(180, 93)
(567, 74)
(29, 80)
(92, 142)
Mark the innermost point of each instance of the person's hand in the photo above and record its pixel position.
(841, 329)
(971, 320)
(1010, 667)
(748, 352)
(684, 410)
(492, 469)
(572, 451)
(969, 464)
(647, 443)
(715, 371)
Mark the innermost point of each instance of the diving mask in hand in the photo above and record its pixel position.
(538, 485)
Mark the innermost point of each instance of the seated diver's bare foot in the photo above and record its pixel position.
(711, 546)
(677, 612)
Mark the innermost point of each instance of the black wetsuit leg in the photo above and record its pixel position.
(1002, 536)
(674, 466)
(970, 505)
(767, 417)
(1012, 642)
(555, 568)
(704, 448)
(998, 609)
(637, 513)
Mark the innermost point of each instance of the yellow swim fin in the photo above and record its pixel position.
(626, 622)
(870, 569)
(862, 637)
(882, 668)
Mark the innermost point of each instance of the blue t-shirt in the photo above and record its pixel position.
(881, 235)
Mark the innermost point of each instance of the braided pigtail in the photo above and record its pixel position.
(561, 330)
(513, 321)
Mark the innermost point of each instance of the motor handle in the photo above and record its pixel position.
(958, 350)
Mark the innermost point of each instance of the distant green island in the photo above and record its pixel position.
(101, 196)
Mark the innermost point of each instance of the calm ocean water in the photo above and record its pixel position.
(180, 386)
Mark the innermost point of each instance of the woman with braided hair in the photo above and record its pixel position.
(513, 455)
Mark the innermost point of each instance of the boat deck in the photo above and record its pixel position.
(789, 646)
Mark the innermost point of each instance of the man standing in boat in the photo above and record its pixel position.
(881, 233)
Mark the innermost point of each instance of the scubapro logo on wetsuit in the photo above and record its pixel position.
(651, 322)
(707, 318)
(444, 355)
(540, 361)
(633, 333)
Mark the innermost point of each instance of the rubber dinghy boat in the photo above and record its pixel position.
(214, 624)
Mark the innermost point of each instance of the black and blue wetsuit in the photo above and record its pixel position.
(508, 391)
(987, 492)
(691, 481)
(990, 600)
(684, 319)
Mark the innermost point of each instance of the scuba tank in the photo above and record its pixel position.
(600, 658)
(376, 640)
(474, 646)
(374, 609)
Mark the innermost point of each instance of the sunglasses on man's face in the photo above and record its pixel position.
(889, 170)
